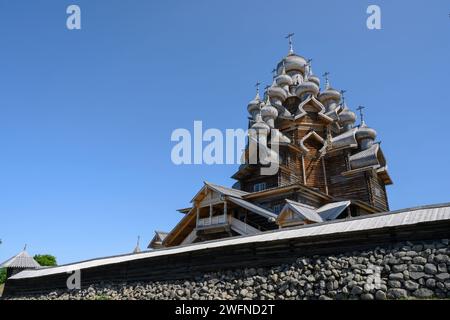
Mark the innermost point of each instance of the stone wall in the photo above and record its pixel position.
(401, 271)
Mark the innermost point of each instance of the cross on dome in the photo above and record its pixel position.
(291, 47)
(327, 80)
(361, 114)
(342, 92)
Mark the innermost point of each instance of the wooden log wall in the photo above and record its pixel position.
(377, 192)
(353, 187)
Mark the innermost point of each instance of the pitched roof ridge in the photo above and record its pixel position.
(301, 204)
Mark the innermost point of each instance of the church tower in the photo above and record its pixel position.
(327, 167)
(320, 146)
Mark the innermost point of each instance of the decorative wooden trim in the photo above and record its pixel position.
(303, 170)
(325, 175)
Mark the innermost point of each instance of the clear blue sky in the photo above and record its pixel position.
(86, 116)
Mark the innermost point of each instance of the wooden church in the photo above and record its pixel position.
(329, 167)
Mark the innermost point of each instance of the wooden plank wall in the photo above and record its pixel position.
(347, 187)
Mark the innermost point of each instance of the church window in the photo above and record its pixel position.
(259, 187)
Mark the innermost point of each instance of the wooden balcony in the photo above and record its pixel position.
(213, 224)
(212, 221)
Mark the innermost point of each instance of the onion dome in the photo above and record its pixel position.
(269, 113)
(347, 118)
(261, 127)
(309, 74)
(314, 79)
(307, 87)
(292, 62)
(365, 136)
(330, 94)
(283, 79)
(254, 105)
(276, 92)
(364, 132)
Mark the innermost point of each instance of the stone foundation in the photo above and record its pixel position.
(406, 270)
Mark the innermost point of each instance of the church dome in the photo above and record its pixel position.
(283, 79)
(347, 117)
(292, 62)
(261, 126)
(277, 92)
(314, 79)
(364, 132)
(330, 94)
(254, 104)
(269, 111)
(307, 87)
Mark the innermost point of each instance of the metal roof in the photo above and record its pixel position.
(331, 211)
(365, 158)
(253, 207)
(222, 190)
(161, 234)
(412, 216)
(346, 139)
(22, 260)
(226, 191)
(305, 211)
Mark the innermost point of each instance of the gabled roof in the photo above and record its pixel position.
(161, 235)
(253, 208)
(226, 191)
(331, 211)
(305, 212)
(313, 101)
(315, 135)
(23, 261)
(184, 210)
(234, 195)
(158, 238)
(222, 190)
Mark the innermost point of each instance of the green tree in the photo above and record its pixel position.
(45, 260)
(2, 275)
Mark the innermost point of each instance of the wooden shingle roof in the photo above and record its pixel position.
(21, 261)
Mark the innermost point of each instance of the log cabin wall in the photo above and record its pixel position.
(314, 174)
(298, 196)
(353, 187)
(249, 184)
(377, 191)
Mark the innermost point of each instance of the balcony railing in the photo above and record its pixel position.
(212, 221)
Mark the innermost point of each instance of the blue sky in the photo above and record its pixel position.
(86, 116)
